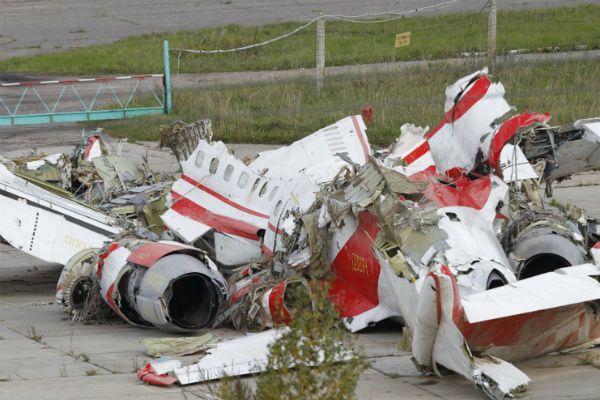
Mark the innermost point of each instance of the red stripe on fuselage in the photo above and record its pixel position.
(468, 100)
(222, 198)
(221, 223)
(361, 137)
(414, 155)
(507, 130)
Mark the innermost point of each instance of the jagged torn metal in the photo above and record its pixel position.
(243, 204)
(448, 254)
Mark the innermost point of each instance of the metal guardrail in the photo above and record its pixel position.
(46, 97)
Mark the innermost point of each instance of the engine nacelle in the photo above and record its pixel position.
(541, 242)
(164, 284)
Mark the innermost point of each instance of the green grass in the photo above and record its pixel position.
(285, 111)
(433, 37)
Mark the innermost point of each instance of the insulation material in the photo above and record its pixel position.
(178, 346)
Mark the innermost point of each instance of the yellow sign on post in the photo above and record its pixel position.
(402, 39)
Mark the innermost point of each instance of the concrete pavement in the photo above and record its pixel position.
(44, 357)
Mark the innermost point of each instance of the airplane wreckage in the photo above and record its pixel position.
(445, 230)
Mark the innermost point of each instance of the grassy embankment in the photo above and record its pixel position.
(283, 112)
(433, 37)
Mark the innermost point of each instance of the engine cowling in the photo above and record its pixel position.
(164, 284)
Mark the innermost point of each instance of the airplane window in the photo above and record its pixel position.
(263, 190)
(243, 181)
(278, 208)
(256, 182)
(273, 193)
(214, 165)
(199, 159)
(228, 173)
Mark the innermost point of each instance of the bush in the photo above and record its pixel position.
(306, 362)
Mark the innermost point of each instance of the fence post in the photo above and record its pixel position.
(167, 78)
(491, 51)
(320, 52)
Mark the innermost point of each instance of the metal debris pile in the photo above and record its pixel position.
(446, 230)
(97, 173)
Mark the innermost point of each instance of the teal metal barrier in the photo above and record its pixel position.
(39, 102)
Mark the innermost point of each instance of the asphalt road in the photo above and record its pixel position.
(40, 26)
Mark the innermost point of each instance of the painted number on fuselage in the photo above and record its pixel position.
(74, 242)
(360, 264)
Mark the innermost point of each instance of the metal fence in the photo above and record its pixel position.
(86, 99)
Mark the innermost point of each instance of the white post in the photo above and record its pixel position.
(491, 52)
(320, 53)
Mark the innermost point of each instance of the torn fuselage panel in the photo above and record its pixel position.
(49, 226)
(199, 206)
(320, 155)
(249, 204)
(473, 105)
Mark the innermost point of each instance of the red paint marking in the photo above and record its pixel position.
(239, 294)
(361, 137)
(475, 93)
(455, 173)
(148, 375)
(147, 254)
(424, 175)
(91, 142)
(223, 198)
(275, 229)
(463, 192)
(535, 333)
(266, 251)
(221, 223)
(354, 288)
(367, 113)
(112, 247)
(110, 300)
(243, 291)
(417, 153)
(279, 312)
(507, 130)
(457, 309)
